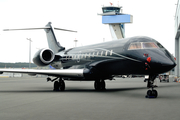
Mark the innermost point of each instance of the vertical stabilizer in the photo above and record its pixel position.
(51, 38)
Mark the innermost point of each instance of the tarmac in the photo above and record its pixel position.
(30, 98)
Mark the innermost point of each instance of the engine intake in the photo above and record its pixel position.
(43, 57)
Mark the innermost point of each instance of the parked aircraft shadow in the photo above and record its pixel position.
(68, 90)
(81, 89)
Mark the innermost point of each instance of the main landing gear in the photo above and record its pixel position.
(58, 85)
(100, 85)
(151, 93)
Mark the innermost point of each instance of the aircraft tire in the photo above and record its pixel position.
(97, 85)
(100, 85)
(62, 85)
(56, 86)
(149, 92)
(154, 93)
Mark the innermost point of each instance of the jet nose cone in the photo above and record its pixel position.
(169, 65)
(161, 61)
(162, 65)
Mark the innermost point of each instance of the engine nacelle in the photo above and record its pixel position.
(43, 57)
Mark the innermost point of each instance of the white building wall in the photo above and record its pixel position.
(177, 39)
(177, 16)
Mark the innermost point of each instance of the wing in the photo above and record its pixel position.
(59, 73)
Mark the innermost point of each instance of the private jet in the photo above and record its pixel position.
(137, 55)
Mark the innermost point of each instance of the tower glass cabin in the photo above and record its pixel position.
(111, 9)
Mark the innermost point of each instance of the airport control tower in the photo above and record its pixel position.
(112, 15)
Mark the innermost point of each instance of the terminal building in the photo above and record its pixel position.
(177, 39)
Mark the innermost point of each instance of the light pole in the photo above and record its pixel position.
(75, 41)
(29, 51)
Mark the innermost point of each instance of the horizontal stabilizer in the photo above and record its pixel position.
(26, 29)
(39, 28)
(64, 30)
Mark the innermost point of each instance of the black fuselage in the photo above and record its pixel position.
(116, 58)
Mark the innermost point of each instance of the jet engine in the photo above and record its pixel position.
(43, 57)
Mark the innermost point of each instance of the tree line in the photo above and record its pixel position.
(16, 65)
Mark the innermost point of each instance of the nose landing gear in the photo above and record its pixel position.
(151, 93)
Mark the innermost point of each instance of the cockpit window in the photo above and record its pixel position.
(159, 45)
(142, 45)
(149, 45)
(136, 45)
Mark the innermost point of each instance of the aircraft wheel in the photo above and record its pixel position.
(97, 85)
(100, 85)
(154, 93)
(56, 86)
(149, 92)
(62, 85)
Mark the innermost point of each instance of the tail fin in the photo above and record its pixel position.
(51, 38)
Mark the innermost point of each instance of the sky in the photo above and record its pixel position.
(152, 18)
